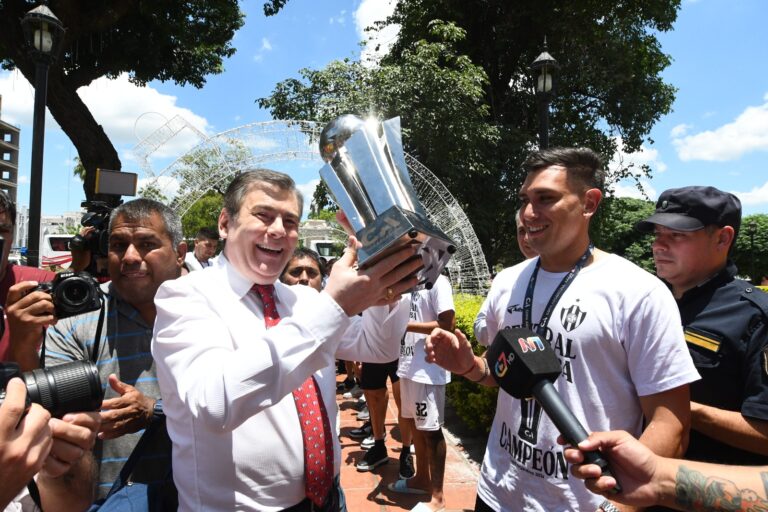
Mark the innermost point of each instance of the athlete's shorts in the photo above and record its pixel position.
(374, 375)
(425, 403)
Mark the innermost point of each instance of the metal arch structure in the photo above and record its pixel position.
(214, 161)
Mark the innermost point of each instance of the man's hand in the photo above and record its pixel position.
(450, 350)
(382, 283)
(73, 436)
(129, 412)
(633, 464)
(28, 313)
(25, 441)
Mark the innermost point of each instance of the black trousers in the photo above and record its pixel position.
(481, 506)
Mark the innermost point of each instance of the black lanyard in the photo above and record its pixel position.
(556, 295)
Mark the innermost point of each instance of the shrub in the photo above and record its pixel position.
(473, 403)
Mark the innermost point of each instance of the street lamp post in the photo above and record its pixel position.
(752, 229)
(545, 65)
(43, 33)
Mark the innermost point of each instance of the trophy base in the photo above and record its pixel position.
(396, 227)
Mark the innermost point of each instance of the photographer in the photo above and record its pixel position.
(145, 249)
(31, 442)
(11, 274)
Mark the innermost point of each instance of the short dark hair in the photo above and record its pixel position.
(243, 182)
(582, 164)
(209, 233)
(142, 208)
(8, 206)
(304, 252)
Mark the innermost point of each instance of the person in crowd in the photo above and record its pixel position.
(34, 445)
(614, 328)
(480, 325)
(206, 241)
(649, 479)
(373, 382)
(725, 321)
(246, 364)
(423, 392)
(146, 248)
(10, 273)
(305, 267)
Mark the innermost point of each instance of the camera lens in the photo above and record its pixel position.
(73, 294)
(70, 387)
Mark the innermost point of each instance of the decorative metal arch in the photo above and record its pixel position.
(214, 161)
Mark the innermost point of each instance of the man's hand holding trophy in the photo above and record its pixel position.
(367, 175)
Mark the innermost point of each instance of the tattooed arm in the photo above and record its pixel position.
(648, 479)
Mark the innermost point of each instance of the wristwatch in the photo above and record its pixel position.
(157, 410)
(607, 506)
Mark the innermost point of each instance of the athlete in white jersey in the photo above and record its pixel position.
(613, 326)
(422, 392)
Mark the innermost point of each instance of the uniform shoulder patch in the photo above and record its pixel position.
(757, 297)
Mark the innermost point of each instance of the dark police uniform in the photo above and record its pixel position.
(726, 328)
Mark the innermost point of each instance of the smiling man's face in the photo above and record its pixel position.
(260, 240)
(141, 257)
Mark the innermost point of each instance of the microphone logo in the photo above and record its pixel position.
(501, 365)
(531, 344)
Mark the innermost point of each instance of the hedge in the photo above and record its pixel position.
(473, 403)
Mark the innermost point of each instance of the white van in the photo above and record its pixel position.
(54, 252)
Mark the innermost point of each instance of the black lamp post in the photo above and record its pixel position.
(43, 34)
(545, 65)
(752, 229)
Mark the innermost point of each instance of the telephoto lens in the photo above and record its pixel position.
(68, 387)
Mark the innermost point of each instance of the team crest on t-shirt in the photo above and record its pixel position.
(572, 317)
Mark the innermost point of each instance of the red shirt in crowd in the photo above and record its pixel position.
(15, 274)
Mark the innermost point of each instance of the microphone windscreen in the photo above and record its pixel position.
(518, 358)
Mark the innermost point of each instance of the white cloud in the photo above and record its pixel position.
(756, 196)
(307, 190)
(745, 134)
(646, 156)
(117, 105)
(266, 47)
(24, 179)
(168, 185)
(377, 42)
(680, 130)
(341, 19)
(627, 188)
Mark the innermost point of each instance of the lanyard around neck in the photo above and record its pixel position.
(556, 295)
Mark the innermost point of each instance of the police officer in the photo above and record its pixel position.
(724, 318)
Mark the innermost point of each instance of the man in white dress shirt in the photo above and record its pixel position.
(227, 381)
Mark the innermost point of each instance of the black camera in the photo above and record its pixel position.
(69, 387)
(97, 217)
(73, 293)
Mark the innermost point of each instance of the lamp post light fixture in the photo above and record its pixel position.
(43, 35)
(752, 229)
(545, 65)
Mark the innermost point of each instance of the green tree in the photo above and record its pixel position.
(203, 214)
(179, 41)
(751, 251)
(78, 170)
(613, 229)
(459, 76)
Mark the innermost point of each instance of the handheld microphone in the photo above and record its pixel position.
(525, 366)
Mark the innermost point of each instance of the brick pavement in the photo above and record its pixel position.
(367, 491)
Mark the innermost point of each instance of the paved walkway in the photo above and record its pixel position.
(367, 491)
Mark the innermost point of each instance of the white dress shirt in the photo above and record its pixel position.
(226, 382)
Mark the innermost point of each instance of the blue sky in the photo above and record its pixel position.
(717, 134)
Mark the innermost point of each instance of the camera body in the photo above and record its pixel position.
(69, 387)
(97, 217)
(73, 293)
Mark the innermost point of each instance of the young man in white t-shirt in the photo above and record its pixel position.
(422, 392)
(614, 328)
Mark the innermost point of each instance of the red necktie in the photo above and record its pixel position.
(315, 425)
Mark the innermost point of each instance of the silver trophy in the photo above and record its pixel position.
(367, 175)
